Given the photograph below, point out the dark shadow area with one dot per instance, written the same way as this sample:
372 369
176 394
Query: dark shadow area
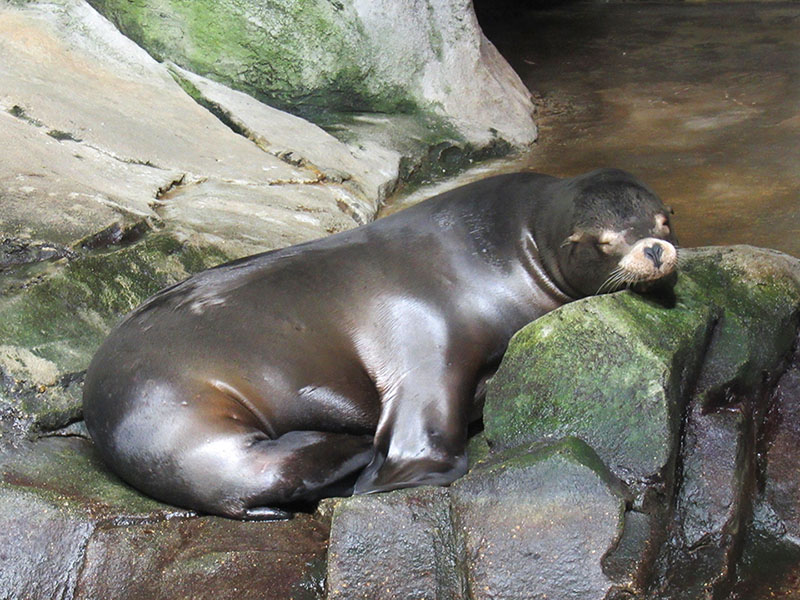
495 16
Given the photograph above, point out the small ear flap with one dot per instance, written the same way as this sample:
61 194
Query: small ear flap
575 238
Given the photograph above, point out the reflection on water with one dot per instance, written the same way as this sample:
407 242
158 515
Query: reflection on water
702 102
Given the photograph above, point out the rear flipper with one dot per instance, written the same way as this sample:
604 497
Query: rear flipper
245 475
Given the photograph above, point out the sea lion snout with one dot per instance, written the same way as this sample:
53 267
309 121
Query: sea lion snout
649 259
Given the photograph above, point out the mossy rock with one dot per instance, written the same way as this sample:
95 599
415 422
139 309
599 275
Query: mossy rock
757 296
51 324
616 370
450 101
302 57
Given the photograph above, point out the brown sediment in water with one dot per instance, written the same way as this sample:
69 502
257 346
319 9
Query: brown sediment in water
702 102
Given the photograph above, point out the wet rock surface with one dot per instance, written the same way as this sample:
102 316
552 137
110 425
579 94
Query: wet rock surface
71 529
688 394
526 524
632 449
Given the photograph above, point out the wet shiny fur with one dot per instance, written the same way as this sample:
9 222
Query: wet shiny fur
357 362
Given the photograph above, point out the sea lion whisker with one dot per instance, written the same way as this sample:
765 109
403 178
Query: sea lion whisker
621 280
610 280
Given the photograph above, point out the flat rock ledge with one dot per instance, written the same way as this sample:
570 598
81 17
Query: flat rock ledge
658 464
123 174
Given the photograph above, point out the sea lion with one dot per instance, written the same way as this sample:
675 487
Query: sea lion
356 362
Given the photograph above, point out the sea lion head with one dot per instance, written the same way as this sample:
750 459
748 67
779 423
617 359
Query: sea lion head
612 232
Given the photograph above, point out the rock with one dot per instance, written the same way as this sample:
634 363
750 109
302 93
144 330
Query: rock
781 483
531 523
537 524
757 292
70 529
98 159
212 213
631 363
109 156
297 141
116 183
770 565
716 481
317 58
634 362
694 378
397 545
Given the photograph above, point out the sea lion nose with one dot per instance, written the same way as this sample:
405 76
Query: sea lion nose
654 253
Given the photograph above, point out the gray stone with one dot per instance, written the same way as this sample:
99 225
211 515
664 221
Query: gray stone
770 563
297 141
314 58
396 545
71 529
781 475
41 547
198 558
713 501
538 523
241 219
531 523
647 382
629 563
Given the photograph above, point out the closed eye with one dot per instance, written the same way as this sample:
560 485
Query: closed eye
603 246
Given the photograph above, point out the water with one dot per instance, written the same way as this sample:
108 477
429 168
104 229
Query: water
702 102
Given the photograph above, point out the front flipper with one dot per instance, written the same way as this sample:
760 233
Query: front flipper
421 440
383 475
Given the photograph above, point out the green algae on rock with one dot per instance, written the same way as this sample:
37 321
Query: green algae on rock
297 56
616 370
52 325
621 392
318 58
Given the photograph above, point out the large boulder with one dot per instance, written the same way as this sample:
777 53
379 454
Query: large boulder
121 176
322 59
676 400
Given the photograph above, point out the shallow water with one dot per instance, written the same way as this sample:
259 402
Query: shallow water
702 102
